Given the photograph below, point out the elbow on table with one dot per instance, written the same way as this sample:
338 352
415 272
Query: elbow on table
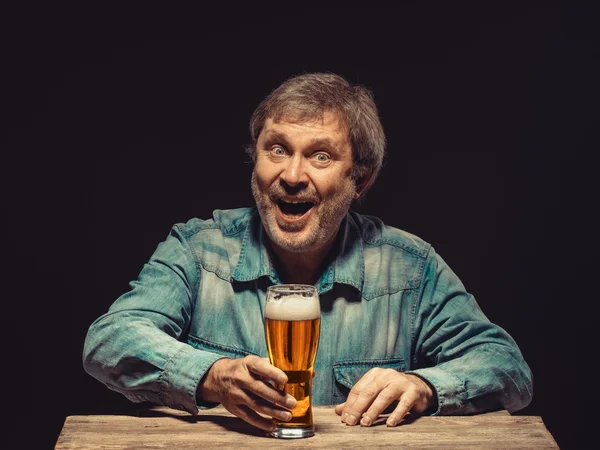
520 397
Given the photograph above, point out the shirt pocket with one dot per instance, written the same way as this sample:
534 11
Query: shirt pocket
218 348
347 373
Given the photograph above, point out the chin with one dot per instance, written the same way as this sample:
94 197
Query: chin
296 245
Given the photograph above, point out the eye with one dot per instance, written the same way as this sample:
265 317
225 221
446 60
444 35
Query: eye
322 157
278 151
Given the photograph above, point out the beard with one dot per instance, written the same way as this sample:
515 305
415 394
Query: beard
322 225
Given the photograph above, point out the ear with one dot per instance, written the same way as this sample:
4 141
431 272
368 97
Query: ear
362 184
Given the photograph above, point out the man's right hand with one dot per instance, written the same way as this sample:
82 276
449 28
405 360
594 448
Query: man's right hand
242 387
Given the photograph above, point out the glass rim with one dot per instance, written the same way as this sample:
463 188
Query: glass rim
292 287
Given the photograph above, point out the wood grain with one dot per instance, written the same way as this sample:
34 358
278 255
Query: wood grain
163 428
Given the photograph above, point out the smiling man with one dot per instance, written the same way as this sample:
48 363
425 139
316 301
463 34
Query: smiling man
398 329
303 187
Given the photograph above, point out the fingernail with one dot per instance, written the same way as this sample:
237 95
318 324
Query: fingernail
345 417
290 402
351 420
365 421
286 416
391 422
282 379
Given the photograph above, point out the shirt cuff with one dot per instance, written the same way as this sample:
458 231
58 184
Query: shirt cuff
450 390
182 374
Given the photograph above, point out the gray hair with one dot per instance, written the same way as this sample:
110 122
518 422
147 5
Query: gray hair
306 97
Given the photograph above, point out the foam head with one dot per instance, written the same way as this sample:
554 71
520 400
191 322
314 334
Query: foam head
293 307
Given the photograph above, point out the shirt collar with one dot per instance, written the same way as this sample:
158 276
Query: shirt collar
346 268
254 261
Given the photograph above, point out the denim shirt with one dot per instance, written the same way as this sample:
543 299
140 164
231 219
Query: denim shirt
387 300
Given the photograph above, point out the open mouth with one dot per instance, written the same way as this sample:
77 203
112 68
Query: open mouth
294 209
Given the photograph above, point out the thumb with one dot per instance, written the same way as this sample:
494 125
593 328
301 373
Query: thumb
339 408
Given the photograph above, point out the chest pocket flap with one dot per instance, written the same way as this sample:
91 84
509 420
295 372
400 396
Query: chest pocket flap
347 373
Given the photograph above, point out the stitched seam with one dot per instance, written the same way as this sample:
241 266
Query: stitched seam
206 267
217 272
366 362
238 228
421 269
242 254
221 346
413 331
196 226
196 262
394 243
382 292
162 379
462 389
229 233
417 300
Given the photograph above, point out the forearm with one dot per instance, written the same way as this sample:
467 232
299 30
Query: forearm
484 379
473 364
129 354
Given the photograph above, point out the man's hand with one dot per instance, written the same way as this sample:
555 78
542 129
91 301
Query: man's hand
378 389
242 387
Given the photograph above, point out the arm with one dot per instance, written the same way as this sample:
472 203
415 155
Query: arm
473 364
467 364
134 348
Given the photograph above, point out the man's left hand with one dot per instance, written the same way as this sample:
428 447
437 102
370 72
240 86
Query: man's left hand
378 389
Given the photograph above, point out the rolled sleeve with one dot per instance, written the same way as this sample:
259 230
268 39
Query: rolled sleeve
474 364
450 390
135 349
182 375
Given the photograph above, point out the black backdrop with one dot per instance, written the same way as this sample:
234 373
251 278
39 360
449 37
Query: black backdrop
122 123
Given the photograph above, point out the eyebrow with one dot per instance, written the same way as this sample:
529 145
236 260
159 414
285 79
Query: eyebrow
323 142
273 135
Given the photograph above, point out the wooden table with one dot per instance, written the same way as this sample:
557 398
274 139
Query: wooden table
164 428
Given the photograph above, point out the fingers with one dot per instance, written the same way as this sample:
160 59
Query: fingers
246 414
377 390
245 390
361 396
268 392
262 406
407 401
385 398
262 368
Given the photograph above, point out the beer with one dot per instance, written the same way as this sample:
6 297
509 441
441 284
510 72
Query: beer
292 331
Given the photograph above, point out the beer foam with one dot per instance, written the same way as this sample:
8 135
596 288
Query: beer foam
294 307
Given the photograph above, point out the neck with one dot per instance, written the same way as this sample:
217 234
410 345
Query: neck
302 267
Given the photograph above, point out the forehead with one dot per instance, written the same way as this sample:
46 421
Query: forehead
329 125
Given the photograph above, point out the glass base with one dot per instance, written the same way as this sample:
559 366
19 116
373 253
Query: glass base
292 433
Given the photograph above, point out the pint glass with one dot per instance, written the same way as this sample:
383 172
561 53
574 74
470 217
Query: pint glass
293 320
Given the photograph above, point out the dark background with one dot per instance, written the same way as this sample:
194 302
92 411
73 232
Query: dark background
119 124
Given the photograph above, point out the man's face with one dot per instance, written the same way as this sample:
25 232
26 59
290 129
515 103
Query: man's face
302 181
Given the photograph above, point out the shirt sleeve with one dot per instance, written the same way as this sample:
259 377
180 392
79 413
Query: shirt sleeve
473 364
134 348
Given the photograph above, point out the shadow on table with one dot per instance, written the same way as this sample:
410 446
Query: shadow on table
238 425
408 419
229 423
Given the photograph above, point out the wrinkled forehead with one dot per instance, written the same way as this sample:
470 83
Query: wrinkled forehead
328 117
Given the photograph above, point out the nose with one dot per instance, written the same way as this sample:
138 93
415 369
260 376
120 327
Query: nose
294 173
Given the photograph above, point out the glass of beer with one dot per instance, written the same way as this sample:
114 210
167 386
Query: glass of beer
293 321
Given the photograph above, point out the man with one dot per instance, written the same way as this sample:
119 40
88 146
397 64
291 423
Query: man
397 326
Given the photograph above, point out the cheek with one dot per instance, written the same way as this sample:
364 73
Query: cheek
332 186
265 174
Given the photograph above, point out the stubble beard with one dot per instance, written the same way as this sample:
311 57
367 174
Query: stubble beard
328 214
